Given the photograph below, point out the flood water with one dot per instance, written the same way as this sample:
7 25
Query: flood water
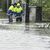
24 37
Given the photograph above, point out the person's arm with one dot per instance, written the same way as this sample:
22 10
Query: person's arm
21 9
10 8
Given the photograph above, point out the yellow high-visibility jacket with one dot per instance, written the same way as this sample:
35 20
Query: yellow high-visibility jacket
11 8
18 10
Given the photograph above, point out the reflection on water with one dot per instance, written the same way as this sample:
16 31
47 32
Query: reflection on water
27 28
43 37
24 38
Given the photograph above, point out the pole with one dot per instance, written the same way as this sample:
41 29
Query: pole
7 4
27 12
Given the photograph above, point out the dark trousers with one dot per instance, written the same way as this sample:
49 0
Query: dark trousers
9 14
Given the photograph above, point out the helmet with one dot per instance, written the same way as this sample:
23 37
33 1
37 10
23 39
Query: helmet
18 4
15 4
